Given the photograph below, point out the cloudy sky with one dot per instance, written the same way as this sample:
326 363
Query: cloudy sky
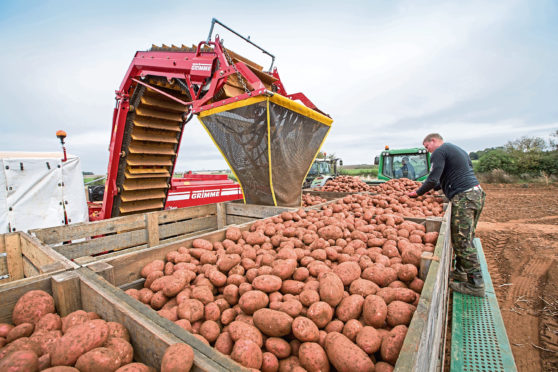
388 72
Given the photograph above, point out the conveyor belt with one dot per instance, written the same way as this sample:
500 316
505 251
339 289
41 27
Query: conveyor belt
479 341
150 147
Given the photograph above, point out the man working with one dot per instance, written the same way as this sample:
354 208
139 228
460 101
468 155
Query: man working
452 171
407 170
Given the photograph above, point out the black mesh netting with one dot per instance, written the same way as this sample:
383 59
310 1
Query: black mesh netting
241 134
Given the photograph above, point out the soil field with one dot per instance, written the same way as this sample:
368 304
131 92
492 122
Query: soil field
519 233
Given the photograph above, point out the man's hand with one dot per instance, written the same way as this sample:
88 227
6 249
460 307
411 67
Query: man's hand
412 194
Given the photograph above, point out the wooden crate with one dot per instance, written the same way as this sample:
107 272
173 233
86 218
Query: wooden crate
23 256
85 290
427 324
83 242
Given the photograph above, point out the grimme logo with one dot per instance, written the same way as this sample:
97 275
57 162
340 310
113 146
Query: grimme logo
204 194
201 67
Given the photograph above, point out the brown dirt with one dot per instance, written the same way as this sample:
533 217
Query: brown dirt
519 233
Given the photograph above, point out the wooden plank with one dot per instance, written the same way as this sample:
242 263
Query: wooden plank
221 215
32 251
256 211
59 234
152 230
149 335
58 261
185 227
3 265
104 270
238 220
103 244
2 244
66 292
29 269
178 214
141 206
13 256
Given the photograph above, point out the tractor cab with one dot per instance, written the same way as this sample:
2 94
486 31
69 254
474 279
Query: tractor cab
321 171
411 163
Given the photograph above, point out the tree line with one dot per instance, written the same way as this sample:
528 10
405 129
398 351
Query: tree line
526 156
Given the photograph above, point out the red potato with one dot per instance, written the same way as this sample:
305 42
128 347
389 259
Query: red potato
178 358
320 313
99 359
49 322
363 287
272 322
22 330
32 306
4 329
270 363
46 339
397 294
345 355
430 237
416 285
313 357
210 330
392 343
252 301
369 340
350 308
224 343
247 353
132 367
21 344
24 360
331 288
191 310
399 313
267 283
156 265
347 272
73 319
79 340
44 362
240 330
118 330
292 307
374 311
122 347
384 367
305 330
278 346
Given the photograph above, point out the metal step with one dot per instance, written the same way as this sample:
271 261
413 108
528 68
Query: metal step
149 160
151 135
152 123
478 336
159 114
130 196
137 147
140 206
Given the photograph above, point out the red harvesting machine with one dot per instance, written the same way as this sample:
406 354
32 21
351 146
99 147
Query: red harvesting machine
268 139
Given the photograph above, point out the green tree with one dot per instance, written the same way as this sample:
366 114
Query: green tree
496 159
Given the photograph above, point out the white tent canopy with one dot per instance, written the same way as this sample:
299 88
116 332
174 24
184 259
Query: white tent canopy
37 188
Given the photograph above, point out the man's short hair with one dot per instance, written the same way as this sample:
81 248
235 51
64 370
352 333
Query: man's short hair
431 136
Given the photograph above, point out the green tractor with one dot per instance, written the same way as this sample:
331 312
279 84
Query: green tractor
321 171
411 163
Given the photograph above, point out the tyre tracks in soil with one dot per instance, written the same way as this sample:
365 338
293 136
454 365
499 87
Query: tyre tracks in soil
523 263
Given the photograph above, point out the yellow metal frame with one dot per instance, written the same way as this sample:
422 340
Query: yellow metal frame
269 154
301 109
315 156
234 105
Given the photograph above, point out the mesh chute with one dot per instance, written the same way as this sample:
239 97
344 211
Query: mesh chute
269 144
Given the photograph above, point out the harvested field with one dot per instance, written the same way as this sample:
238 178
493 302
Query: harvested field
519 233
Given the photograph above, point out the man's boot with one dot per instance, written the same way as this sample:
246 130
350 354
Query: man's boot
474 285
458 275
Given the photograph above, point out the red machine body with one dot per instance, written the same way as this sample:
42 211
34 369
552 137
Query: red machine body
200 189
202 78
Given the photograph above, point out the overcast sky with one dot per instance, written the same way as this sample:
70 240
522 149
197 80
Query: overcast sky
388 72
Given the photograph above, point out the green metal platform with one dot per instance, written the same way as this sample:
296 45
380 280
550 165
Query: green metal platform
479 341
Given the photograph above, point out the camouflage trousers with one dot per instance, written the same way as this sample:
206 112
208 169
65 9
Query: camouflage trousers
466 208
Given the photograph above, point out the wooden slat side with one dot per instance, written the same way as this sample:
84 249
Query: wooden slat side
13 256
3 266
152 230
178 214
185 227
59 234
147 336
32 250
256 211
103 244
237 220
66 292
221 215
29 269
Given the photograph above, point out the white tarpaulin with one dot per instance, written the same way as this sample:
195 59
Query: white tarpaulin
36 189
